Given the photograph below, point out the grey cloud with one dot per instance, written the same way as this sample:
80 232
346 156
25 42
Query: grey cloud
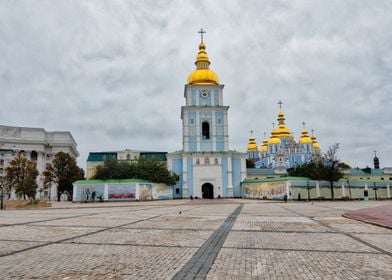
113 72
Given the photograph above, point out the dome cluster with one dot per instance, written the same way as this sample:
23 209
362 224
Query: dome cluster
281 146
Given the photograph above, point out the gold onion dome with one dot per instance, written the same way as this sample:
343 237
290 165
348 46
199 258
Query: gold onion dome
316 144
252 146
203 75
264 146
305 139
274 139
283 130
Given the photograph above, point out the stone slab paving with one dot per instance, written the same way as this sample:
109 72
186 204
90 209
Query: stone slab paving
204 239
381 215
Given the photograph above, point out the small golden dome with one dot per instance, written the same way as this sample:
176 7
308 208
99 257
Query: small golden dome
274 139
264 146
305 139
316 145
252 146
203 75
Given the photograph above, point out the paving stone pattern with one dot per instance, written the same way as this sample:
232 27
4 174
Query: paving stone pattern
204 239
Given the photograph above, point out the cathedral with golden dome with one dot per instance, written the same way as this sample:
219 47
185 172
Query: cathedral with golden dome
281 150
206 166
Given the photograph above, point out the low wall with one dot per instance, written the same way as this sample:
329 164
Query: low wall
121 190
297 189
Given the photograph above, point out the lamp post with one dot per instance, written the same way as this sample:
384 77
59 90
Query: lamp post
349 188
40 193
375 189
308 188
2 193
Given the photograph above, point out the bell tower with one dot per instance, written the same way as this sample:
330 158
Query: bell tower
205 165
204 117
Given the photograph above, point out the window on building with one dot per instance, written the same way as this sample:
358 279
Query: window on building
177 191
382 178
207 160
219 120
1 162
197 161
34 155
192 121
216 161
128 157
205 130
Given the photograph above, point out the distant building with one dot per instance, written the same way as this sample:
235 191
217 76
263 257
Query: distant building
98 158
39 146
281 150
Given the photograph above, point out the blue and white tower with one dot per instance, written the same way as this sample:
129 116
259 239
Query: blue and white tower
206 166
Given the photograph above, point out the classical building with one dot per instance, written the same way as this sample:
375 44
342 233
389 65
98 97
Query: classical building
98 158
37 145
281 151
206 166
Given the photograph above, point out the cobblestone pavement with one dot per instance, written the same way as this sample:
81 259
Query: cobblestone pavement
204 239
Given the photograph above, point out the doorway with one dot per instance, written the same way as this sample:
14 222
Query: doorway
207 190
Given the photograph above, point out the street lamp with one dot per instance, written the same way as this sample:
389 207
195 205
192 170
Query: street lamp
375 189
349 187
2 193
308 188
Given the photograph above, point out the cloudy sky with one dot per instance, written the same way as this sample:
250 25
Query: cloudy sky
113 72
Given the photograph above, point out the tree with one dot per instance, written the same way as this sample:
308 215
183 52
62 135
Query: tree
327 168
63 171
250 164
147 169
21 176
332 167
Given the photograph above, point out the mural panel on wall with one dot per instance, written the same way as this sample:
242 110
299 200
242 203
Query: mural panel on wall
162 192
145 191
122 191
267 190
90 192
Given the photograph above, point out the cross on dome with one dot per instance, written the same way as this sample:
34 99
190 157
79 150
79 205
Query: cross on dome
201 32
280 104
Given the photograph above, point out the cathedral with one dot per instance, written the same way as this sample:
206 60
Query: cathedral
280 150
205 165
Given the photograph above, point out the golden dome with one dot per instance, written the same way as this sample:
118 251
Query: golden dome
252 146
305 139
264 146
283 130
316 145
203 75
274 139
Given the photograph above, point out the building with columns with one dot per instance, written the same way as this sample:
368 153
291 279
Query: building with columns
39 146
206 166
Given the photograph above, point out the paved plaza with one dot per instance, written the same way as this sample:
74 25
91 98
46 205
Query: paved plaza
199 239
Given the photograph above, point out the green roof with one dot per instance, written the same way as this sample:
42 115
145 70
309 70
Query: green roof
260 171
88 182
278 179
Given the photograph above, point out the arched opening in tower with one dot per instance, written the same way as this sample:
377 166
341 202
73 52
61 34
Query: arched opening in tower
205 130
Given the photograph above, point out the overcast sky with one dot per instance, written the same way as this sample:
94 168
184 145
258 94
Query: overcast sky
113 72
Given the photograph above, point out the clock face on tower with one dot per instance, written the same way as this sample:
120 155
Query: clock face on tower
204 94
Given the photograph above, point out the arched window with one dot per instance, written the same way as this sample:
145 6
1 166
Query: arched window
205 130
207 160
128 157
216 161
197 161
